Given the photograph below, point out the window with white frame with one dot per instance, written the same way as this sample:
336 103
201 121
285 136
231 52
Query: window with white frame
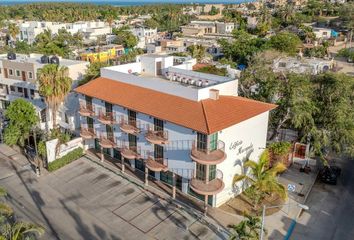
30 75
18 73
11 72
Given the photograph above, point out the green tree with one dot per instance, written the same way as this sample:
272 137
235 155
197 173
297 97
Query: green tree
198 52
93 72
151 23
54 85
22 118
13 30
247 229
125 37
10 230
243 46
262 178
334 120
214 11
285 42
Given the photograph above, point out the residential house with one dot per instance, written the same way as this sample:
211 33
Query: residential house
18 79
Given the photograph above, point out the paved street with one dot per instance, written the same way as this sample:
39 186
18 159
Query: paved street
331 209
84 201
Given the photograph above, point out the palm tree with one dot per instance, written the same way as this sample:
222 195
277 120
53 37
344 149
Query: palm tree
263 179
20 230
54 85
14 30
247 229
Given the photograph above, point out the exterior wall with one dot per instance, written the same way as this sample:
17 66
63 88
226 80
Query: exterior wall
243 141
176 152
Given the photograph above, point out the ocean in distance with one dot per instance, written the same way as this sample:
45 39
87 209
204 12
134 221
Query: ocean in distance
126 3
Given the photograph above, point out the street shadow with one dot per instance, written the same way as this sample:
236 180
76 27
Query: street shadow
37 200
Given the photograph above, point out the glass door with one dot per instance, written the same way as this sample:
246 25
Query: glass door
89 123
213 142
132 141
109 107
201 142
158 124
109 132
132 118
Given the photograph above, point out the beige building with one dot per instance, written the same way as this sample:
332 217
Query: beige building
18 79
201 28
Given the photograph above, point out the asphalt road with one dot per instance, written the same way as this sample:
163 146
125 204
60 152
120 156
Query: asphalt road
331 214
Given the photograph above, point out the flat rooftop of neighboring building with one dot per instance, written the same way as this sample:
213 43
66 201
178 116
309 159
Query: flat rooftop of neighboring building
36 59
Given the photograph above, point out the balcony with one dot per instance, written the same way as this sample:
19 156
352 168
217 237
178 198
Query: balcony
208 157
130 152
131 126
86 110
208 188
157 137
87 133
106 118
156 164
107 142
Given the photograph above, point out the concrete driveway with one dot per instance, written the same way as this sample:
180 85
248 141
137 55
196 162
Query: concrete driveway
85 201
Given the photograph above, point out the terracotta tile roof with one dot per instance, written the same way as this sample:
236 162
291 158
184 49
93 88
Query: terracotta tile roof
206 116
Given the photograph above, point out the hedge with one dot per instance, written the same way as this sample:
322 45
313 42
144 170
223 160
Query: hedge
66 159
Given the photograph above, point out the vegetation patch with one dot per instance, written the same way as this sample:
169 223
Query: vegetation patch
213 70
68 158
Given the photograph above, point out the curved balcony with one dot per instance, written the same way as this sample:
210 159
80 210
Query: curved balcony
157 137
87 133
86 110
131 126
106 118
211 188
209 157
107 142
130 152
156 165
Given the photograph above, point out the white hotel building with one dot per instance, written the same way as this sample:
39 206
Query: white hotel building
185 128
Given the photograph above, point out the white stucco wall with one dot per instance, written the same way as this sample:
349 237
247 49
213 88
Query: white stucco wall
243 141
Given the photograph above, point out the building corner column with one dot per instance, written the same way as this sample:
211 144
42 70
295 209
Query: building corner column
146 176
173 185
123 166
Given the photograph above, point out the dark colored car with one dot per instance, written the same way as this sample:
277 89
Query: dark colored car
330 174
30 153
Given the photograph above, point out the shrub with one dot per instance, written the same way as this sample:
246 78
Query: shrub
68 158
280 148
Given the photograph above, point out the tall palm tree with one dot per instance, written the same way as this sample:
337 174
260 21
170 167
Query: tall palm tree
14 30
263 179
54 86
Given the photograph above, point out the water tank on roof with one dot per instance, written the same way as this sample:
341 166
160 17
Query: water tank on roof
11 56
44 59
54 60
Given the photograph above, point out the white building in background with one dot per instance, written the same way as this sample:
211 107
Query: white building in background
312 66
187 129
145 35
29 30
91 30
18 79
201 28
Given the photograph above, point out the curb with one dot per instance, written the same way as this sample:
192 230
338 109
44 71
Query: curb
294 221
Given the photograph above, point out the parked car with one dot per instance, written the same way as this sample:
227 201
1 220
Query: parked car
330 174
30 153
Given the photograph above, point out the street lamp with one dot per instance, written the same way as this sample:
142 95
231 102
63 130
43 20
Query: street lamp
302 206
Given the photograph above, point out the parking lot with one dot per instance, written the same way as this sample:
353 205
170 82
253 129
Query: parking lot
85 201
